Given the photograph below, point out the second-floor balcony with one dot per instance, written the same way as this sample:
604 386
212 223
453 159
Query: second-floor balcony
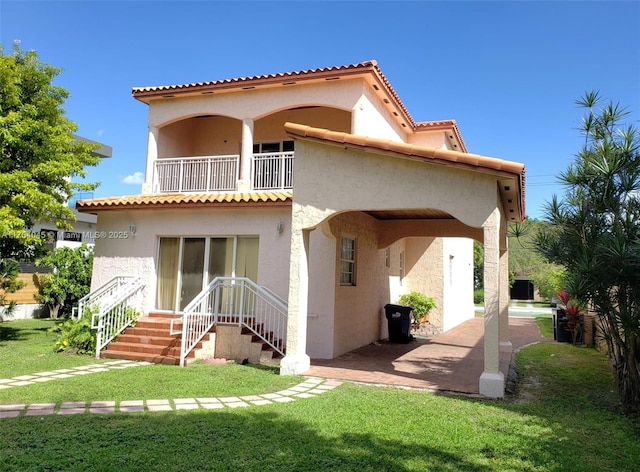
269 171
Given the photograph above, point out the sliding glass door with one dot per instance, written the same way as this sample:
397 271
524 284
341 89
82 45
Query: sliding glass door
187 265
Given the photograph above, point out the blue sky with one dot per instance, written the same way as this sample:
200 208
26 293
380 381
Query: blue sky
507 72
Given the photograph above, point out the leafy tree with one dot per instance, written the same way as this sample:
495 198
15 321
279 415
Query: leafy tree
69 281
38 152
549 279
595 235
478 265
526 261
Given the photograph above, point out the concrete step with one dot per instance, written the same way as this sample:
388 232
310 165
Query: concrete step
173 351
150 332
140 356
140 339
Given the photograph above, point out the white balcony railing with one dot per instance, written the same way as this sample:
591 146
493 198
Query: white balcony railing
272 171
196 174
269 171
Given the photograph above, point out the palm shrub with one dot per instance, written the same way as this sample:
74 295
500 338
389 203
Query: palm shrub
75 336
595 235
420 303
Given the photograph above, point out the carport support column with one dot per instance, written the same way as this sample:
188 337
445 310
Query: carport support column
492 380
505 344
296 361
246 154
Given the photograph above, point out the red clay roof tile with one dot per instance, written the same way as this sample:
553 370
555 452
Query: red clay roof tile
182 200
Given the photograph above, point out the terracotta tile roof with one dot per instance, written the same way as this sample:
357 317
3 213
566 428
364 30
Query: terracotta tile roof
504 170
185 200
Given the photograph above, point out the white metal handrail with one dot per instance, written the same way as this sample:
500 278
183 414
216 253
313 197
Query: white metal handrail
113 317
237 301
272 171
102 295
196 174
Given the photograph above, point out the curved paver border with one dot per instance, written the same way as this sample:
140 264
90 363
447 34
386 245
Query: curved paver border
309 388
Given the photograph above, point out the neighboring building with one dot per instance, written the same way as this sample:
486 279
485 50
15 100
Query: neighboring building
319 185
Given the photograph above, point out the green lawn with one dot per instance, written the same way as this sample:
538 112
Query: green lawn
564 417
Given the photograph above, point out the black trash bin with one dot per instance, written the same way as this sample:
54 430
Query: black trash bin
399 321
560 331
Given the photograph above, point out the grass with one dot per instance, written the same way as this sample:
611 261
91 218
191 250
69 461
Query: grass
26 349
545 325
534 304
564 417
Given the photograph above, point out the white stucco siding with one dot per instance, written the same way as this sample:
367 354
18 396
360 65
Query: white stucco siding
322 290
137 255
257 103
434 139
370 118
457 262
378 182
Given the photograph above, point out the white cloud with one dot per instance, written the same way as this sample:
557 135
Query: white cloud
100 132
134 179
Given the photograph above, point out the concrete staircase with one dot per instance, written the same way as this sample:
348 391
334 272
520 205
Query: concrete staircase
149 340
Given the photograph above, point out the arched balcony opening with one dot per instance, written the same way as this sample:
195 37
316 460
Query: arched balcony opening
215 153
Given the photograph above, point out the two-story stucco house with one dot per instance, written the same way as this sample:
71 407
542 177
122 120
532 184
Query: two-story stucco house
319 188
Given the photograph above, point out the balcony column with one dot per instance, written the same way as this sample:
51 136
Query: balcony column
152 156
492 380
246 155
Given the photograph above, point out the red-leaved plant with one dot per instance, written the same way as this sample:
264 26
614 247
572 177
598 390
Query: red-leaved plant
575 318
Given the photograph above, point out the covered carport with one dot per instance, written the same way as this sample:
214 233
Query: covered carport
467 195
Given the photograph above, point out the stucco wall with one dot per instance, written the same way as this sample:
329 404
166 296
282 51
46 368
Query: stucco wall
379 182
370 118
457 264
173 140
424 272
258 103
358 308
430 139
215 135
271 127
322 288
136 255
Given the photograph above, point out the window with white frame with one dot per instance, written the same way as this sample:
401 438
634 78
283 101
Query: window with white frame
347 261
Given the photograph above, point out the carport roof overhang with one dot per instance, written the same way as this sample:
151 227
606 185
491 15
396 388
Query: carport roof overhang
510 176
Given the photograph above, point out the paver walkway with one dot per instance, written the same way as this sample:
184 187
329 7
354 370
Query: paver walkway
450 362
309 388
